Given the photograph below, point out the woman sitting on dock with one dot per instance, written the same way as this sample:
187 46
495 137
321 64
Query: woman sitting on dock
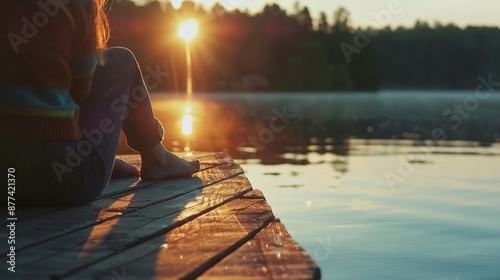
64 99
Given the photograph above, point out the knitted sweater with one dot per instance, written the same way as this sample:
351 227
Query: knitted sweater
46 68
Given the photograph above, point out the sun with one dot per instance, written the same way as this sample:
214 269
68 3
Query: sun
188 29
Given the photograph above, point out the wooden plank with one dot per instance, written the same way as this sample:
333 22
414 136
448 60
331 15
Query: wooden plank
73 219
26 213
207 160
214 237
146 221
284 256
121 185
248 262
212 225
254 194
87 246
272 254
118 185
69 220
192 247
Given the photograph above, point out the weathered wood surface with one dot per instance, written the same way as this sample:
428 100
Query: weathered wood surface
212 225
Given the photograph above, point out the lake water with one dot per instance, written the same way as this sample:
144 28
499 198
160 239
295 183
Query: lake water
365 182
376 214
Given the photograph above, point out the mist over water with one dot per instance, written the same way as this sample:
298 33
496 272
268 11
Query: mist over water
279 122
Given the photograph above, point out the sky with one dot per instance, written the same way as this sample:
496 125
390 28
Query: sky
369 12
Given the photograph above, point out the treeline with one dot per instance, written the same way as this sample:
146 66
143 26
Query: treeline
278 51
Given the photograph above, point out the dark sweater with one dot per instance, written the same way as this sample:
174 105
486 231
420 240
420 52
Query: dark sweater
46 68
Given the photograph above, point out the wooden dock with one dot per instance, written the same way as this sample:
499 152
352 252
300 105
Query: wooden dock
213 225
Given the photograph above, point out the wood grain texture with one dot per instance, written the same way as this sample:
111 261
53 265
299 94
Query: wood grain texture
118 185
67 220
194 246
272 254
89 245
189 250
212 225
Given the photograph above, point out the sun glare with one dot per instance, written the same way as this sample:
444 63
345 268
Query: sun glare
188 29
187 122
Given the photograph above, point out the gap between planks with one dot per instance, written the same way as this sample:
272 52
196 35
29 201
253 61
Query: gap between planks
141 230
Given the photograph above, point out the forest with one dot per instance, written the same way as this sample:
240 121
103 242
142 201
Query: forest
276 50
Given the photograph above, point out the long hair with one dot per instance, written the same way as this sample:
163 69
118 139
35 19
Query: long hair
96 21
101 26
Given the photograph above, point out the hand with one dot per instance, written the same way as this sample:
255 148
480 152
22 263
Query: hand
124 169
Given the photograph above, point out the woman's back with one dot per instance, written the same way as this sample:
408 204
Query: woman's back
48 61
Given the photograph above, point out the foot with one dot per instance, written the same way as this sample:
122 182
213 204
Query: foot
159 163
124 169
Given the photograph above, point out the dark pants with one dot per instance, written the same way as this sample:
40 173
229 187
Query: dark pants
63 173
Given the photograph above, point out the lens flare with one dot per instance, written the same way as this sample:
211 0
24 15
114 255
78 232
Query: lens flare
188 29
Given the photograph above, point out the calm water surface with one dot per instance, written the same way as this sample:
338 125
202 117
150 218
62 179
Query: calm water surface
364 207
364 216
